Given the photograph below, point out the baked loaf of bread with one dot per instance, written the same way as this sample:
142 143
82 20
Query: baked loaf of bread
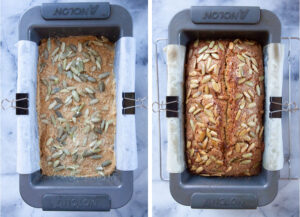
76 106
224 108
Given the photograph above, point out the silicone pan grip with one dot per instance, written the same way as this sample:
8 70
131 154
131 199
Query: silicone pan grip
223 201
222 14
70 202
75 11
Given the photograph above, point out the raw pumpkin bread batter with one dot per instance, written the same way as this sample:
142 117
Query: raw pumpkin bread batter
76 106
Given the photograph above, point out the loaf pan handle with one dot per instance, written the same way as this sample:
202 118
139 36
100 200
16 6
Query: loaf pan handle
225 14
75 11
71 202
223 201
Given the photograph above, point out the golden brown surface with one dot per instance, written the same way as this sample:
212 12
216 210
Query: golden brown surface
76 138
224 108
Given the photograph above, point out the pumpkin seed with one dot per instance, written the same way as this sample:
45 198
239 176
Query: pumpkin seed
53 120
109 122
74 157
76 78
103 75
94 101
57 154
49 44
56 163
59 168
97 130
55 51
49 141
101 86
57 107
89 90
106 163
98 156
77 114
69 65
244 162
93 68
75 95
63 138
95 120
91 79
202 49
87 153
55 90
99 168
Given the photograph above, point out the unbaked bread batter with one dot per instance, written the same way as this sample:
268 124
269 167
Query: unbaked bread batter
76 106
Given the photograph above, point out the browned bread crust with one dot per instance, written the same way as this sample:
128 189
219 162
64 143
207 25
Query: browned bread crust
224 108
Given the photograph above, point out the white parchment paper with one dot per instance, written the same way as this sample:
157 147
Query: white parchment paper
125 142
28 151
273 60
175 64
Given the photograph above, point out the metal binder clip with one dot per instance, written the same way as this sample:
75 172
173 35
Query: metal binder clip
157 107
139 100
20 103
277 107
130 103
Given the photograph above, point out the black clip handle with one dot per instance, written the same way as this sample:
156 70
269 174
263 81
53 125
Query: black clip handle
22 104
76 11
172 106
225 14
56 202
275 107
128 103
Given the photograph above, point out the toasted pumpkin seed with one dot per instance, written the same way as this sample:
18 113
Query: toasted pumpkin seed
202 49
242 80
252 146
244 162
258 90
215 55
221 46
238 115
251 105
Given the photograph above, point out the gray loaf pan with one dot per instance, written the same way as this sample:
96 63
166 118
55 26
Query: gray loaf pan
71 193
228 23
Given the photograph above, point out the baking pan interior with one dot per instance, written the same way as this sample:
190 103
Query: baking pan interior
111 32
188 36
35 185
